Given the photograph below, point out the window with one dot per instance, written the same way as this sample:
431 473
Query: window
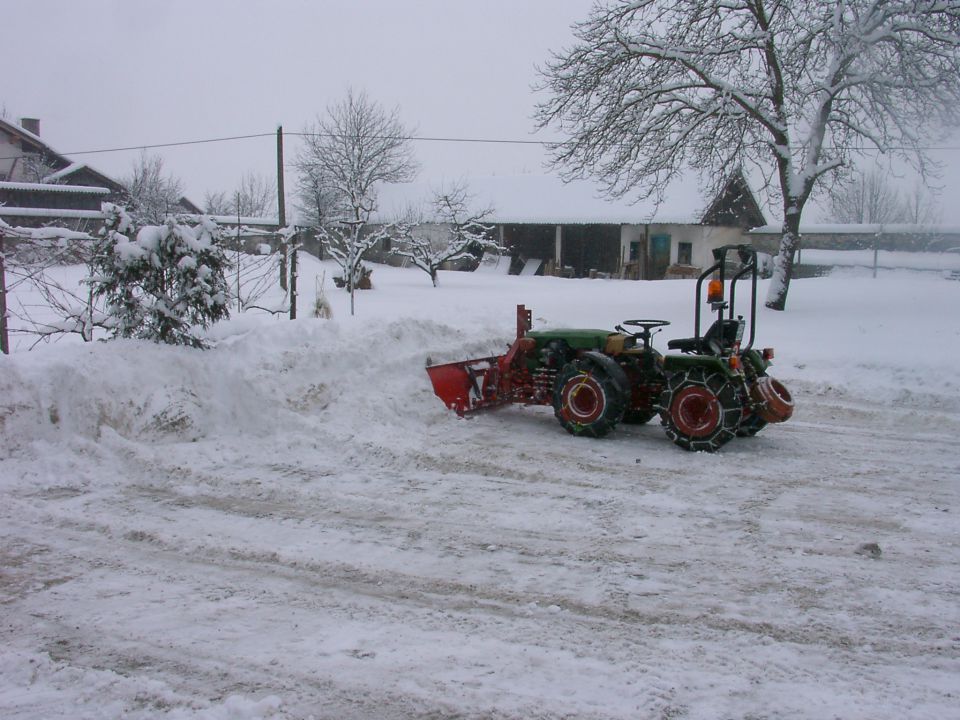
685 253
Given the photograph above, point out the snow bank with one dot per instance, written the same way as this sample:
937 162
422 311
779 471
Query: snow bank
884 339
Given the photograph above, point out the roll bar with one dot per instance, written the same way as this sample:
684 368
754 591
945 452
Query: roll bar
748 258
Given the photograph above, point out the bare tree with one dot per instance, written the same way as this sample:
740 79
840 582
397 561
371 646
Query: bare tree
153 194
316 200
871 198
920 206
218 203
258 195
351 149
254 196
794 89
463 233
867 198
38 168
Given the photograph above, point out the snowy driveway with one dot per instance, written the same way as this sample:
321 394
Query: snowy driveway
492 568
291 526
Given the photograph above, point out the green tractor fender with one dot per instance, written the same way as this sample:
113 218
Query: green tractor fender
683 363
606 364
755 359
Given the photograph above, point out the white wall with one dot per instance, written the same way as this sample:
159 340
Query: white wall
703 238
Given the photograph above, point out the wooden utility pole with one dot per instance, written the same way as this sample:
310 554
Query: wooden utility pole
239 303
287 282
281 209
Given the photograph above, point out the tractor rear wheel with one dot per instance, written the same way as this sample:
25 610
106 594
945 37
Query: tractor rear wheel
701 409
587 400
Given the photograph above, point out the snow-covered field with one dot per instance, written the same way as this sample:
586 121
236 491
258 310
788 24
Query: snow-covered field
290 525
942 262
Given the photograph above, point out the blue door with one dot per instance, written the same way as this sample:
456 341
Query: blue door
659 256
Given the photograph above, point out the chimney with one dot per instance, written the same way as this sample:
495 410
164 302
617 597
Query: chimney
31 125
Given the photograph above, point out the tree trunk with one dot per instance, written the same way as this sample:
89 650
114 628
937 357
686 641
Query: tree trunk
783 263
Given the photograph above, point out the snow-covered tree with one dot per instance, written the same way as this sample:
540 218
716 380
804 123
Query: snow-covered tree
153 194
348 243
164 283
795 89
347 152
463 233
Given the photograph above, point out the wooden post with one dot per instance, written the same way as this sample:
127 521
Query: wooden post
239 303
281 209
293 281
876 251
4 337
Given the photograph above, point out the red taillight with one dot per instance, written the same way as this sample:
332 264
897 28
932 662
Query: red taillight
715 291
768 354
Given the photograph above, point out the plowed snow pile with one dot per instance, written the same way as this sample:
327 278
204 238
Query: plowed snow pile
290 525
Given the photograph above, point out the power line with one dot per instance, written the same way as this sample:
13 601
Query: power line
418 138
154 145
413 138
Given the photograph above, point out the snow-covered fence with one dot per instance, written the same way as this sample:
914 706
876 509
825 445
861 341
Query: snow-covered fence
932 248
875 260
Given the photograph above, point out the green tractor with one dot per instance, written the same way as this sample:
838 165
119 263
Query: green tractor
714 388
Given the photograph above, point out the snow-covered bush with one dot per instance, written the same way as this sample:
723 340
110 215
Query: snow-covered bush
164 283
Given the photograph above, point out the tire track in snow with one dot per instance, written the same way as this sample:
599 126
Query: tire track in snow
629 571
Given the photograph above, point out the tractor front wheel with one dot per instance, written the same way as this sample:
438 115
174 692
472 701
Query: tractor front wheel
701 410
587 400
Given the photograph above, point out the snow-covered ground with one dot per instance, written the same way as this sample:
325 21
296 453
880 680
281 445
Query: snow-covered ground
290 525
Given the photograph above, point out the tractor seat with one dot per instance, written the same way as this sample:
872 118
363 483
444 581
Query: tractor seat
710 341
685 344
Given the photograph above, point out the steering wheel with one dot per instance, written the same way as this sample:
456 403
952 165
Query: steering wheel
647 326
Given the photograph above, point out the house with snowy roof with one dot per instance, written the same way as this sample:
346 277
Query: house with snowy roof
567 228
39 186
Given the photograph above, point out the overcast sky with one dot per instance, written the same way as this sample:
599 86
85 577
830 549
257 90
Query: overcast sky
104 74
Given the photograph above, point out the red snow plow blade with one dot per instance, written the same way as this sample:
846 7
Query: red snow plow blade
487 382
468 385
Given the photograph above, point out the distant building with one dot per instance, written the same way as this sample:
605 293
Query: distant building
39 186
556 228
